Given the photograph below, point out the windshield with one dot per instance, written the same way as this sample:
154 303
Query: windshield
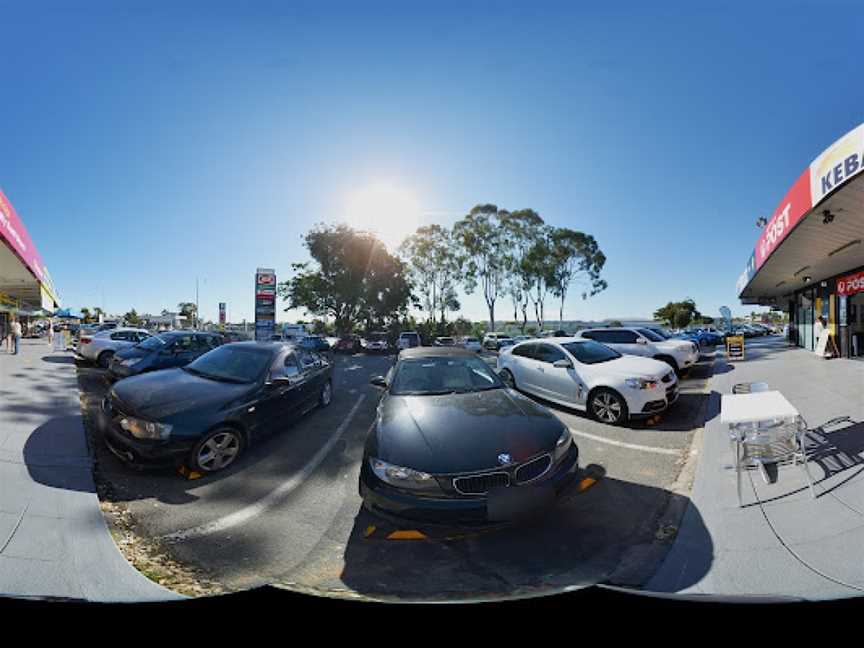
155 342
651 335
232 364
590 352
444 375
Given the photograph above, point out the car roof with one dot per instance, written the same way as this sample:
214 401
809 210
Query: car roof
424 352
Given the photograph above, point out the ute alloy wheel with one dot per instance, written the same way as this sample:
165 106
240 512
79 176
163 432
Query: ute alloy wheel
326 395
608 407
217 450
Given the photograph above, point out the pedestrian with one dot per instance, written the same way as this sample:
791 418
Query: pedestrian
16 335
50 334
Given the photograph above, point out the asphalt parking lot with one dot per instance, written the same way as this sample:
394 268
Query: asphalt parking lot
288 511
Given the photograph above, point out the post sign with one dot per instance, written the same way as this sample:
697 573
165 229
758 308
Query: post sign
850 284
265 303
789 212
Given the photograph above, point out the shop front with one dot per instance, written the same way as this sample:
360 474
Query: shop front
26 289
809 259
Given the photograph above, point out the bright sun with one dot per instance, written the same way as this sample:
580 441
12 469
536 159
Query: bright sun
390 212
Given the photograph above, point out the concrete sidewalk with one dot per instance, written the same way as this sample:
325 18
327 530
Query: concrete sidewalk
782 543
53 539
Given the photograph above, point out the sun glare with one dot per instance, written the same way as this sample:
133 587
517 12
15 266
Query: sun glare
388 211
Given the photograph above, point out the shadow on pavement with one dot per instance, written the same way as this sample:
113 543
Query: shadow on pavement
589 538
67 360
57 445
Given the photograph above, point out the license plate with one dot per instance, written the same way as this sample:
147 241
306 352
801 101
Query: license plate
506 504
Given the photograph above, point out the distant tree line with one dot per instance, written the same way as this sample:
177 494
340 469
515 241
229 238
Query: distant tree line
354 280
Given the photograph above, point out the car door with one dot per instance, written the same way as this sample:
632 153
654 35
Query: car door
313 372
631 343
281 400
556 383
522 364
182 351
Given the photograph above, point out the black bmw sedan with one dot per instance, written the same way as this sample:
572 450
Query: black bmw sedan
206 413
453 445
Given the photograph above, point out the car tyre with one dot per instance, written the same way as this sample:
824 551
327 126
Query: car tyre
508 379
671 362
104 359
216 450
326 395
608 406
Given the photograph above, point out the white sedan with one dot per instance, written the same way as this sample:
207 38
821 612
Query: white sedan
589 376
100 347
472 344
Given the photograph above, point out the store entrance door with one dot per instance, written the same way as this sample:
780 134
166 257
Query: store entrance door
855 325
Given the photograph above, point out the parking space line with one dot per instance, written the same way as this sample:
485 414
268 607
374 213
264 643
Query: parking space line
622 444
272 498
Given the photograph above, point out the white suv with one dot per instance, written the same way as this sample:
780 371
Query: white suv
589 376
679 354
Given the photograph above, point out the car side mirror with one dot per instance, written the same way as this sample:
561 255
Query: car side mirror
562 364
641 341
379 381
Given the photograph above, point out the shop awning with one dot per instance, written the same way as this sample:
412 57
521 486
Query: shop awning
817 229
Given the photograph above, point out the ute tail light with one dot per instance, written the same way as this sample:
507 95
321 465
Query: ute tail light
86 340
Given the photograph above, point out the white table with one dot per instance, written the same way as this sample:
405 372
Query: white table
755 408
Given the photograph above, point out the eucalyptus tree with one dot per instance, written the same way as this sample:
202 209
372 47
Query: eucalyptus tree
481 250
576 259
539 268
521 229
434 268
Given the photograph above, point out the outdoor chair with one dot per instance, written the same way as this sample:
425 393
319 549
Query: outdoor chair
770 442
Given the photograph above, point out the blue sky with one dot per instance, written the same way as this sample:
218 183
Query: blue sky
145 143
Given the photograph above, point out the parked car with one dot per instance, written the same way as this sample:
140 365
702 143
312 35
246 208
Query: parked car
206 413
376 343
317 344
472 344
678 354
497 341
521 338
163 351
348 344
586 375
408 340
101 347
452 444
444 341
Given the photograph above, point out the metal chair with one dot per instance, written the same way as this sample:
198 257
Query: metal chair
749 388
770 442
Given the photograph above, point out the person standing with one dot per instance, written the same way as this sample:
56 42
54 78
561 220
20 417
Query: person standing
50 334
16 335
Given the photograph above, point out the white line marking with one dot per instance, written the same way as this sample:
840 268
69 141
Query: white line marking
272 498
631 446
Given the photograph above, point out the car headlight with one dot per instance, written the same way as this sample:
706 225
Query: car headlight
145 429
563 443
640 383
402 477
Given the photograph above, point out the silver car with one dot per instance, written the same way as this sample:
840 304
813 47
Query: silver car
100 347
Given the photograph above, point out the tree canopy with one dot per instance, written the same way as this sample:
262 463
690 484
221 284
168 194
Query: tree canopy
351 278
